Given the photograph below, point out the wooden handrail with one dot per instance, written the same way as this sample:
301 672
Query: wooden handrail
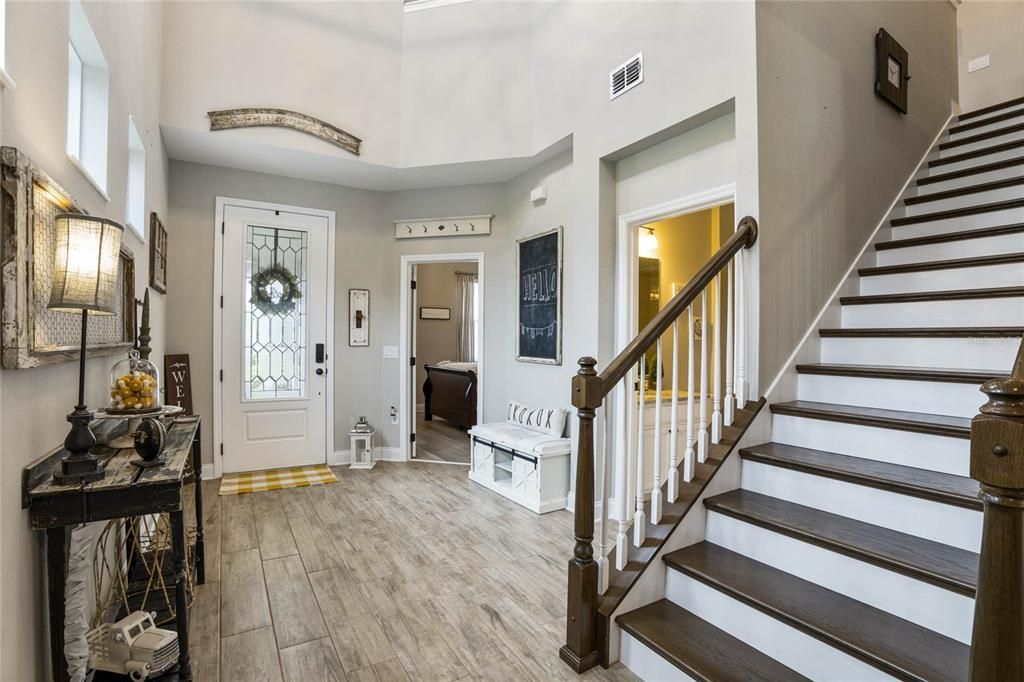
997 463
588 393
743 238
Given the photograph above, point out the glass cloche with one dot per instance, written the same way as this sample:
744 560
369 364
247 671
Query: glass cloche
134 386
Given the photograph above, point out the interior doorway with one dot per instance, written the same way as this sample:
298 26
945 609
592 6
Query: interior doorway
273 333
442 335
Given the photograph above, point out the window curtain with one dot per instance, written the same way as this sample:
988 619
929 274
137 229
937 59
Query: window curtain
465 288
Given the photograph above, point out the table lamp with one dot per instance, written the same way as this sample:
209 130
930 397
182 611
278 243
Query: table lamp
85 265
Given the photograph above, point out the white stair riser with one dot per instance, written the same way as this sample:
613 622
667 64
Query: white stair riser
791 647
977 312
922 450
988 197
996 354
1001 275
945 523
962 248
972 179
645 663
982 144
973 162
989 127
931 397
974 221
935 608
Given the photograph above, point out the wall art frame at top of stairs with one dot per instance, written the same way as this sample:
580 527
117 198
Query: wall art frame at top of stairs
30 334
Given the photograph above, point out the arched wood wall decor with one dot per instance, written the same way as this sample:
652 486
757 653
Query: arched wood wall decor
227 119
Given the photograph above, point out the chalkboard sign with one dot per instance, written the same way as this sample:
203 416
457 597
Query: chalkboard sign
539 298
178 378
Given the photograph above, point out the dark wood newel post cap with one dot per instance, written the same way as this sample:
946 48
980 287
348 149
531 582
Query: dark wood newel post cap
587 387
997 434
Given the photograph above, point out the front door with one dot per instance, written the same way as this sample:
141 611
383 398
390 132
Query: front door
273 352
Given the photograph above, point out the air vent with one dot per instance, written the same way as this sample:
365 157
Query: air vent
626 76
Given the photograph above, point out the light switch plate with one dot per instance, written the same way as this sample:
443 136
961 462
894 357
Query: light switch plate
977 64
391 351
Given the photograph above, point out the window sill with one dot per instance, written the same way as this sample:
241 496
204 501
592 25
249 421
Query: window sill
88 176
418 5
6 82
134 230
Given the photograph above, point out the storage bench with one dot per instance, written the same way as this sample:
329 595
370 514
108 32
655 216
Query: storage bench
525 465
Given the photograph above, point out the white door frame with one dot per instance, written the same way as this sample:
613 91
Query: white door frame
405 331
627 264
218 316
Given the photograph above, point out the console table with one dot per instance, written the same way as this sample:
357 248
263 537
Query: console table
125 491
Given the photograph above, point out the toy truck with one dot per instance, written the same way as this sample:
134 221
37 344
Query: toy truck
133 646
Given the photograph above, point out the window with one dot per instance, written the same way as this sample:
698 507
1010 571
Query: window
135 201
88 86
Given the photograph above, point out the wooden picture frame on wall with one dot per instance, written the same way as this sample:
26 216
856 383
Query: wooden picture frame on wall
358 318
157 254
892 75
31 335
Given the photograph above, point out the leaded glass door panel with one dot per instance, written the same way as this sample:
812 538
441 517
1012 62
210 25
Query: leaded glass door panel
274 316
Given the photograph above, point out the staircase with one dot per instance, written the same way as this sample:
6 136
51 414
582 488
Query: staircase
851 549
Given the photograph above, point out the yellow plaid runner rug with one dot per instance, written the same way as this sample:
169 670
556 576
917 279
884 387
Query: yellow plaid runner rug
276 479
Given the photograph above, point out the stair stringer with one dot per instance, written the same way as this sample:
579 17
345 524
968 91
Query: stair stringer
650 586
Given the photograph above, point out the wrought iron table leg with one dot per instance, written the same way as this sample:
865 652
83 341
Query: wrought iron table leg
181 593
56 578
197 468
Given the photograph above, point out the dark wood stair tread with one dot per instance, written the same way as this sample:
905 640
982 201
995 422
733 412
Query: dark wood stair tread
958 212
991 108
898 420
1005 146
949 264
979 137
953 376
922 296
923 332
887 642
973 170
698 648
973 125
944 237
948 567
959 491
964 191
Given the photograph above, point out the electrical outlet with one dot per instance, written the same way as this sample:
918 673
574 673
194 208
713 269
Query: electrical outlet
977 64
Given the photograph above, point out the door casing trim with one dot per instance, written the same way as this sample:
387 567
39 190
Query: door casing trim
404 350
218 317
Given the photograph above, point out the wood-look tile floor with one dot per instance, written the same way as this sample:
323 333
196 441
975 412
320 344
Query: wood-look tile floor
440 441
402 572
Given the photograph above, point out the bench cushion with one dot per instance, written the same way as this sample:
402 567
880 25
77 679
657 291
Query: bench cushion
521 439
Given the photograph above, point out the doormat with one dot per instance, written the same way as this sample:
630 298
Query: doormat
276 479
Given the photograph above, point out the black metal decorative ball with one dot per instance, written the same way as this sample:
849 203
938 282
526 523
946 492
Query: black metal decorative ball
149 439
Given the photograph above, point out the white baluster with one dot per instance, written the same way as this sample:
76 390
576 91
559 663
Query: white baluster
702 431
601 486
621 473
639 529
656 459
689 456
741 333
730 398
716 411
673 446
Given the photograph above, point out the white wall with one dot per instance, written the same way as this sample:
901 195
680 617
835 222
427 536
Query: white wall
35 401
995 29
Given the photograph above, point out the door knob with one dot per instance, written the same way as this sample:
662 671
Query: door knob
319 371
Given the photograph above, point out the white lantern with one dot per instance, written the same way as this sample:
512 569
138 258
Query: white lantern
362 445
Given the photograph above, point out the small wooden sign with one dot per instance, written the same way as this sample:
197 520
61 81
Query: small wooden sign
178 381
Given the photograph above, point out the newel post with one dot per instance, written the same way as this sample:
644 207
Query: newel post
997 463
580 650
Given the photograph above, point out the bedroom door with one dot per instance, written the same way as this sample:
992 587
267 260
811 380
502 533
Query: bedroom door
274 344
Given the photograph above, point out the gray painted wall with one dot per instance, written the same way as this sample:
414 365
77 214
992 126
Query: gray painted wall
995 29
832 155
35 401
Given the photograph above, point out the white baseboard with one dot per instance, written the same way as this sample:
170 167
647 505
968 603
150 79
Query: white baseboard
380 454
208 472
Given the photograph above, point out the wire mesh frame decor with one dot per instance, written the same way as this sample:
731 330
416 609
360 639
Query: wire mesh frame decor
30 334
